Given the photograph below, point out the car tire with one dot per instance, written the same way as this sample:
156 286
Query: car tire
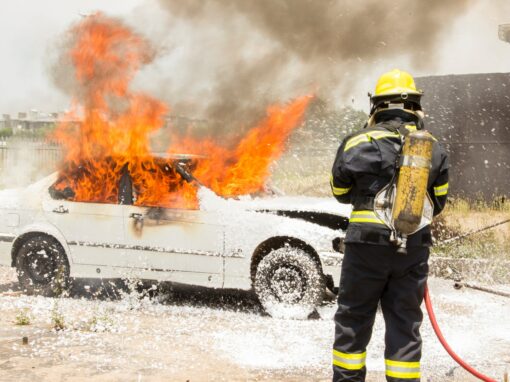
289 283
42 267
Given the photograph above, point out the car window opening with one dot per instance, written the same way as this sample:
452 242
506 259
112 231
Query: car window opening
155 182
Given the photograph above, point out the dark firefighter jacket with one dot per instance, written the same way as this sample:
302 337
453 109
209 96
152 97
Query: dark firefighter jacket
364 164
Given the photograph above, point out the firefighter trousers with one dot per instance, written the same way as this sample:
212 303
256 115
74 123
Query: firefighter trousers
373 274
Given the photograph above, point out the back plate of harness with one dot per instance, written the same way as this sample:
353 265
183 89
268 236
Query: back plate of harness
384 203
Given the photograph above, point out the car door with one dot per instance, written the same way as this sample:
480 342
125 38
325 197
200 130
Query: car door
93 231
179 245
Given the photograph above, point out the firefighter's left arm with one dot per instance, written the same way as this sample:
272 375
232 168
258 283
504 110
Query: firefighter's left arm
341 179
439 189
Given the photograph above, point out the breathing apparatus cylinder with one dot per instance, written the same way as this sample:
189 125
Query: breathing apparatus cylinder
411 189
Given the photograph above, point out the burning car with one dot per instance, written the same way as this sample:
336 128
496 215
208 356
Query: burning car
289 255
116 210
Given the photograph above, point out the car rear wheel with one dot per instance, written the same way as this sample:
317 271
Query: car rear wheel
289 283
42 267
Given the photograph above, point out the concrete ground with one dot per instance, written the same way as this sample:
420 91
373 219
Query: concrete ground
197 335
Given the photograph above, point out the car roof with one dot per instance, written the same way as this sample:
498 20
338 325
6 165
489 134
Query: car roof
176 156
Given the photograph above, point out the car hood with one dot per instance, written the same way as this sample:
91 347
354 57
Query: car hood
297 204
325 212
211 201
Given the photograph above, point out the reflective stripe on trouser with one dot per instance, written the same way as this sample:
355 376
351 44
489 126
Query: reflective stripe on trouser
365 216
349 361
403 370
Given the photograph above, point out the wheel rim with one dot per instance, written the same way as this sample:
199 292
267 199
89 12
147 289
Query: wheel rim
40 266
288 284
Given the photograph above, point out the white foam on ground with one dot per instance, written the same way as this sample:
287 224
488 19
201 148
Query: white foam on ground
140 333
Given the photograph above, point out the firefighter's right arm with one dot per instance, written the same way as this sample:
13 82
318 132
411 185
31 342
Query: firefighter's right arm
341 179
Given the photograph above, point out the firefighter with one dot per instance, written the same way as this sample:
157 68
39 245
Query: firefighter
374 271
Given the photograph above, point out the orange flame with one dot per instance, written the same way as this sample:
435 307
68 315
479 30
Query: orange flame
113 136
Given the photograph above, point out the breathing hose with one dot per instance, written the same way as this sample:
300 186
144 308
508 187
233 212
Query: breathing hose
447 347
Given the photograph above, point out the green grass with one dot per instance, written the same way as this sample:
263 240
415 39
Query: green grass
6 132
461 205
57 318
101 322
23 318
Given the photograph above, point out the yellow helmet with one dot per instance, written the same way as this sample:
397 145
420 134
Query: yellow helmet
396 89
396 82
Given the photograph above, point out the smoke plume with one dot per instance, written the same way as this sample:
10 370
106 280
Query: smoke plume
237 56
225 61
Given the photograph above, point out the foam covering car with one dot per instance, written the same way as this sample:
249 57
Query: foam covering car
287 249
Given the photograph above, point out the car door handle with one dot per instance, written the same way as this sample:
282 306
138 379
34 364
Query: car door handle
138 222
61 210
136 216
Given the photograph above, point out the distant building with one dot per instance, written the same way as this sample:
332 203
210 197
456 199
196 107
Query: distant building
32 120
504 32
5 122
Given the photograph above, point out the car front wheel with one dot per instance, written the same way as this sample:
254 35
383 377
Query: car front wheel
42 267
289 283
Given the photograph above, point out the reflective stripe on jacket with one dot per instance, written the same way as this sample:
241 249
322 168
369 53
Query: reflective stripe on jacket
364 164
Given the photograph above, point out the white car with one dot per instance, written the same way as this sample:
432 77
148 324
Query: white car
288 249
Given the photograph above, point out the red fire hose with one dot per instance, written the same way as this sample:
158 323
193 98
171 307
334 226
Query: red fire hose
447 347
